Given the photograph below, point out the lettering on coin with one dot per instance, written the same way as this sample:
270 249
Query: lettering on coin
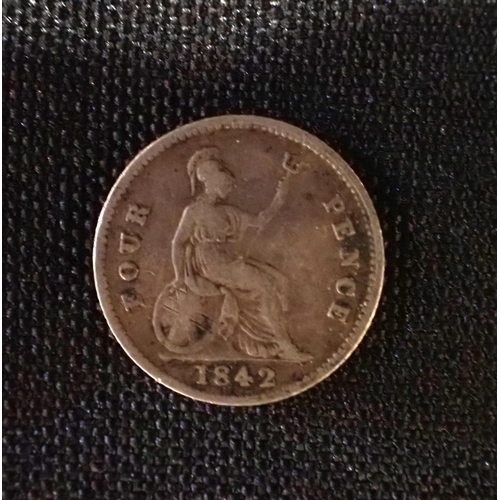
335 205
343 229
137 214
346 286
128 270
349 259
340 311
222 375
131 299
129 243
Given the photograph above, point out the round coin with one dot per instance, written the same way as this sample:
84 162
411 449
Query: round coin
238 260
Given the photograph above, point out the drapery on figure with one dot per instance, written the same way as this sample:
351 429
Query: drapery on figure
205 260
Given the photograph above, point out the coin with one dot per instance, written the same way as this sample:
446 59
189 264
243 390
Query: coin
238 260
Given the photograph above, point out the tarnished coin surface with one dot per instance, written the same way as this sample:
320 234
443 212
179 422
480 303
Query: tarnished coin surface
238 260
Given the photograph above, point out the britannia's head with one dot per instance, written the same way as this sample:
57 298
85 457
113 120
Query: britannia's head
207 168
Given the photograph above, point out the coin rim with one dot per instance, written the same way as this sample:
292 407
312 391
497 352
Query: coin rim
285 130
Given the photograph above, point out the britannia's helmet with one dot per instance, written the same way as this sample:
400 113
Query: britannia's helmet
202 163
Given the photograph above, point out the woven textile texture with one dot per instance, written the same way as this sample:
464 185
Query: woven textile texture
405 92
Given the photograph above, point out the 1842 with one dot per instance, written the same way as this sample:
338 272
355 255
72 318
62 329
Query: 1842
222 375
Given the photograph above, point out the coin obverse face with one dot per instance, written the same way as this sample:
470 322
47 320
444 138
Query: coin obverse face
238 260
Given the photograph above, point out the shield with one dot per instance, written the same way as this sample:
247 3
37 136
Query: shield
182 321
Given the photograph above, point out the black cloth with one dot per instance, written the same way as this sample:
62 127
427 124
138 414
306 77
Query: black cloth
405 92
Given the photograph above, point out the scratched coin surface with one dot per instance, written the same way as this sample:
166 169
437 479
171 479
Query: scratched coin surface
238 260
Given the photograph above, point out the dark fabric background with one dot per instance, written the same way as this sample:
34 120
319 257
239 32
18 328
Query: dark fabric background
405 91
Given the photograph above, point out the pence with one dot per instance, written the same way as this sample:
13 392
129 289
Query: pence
238 260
